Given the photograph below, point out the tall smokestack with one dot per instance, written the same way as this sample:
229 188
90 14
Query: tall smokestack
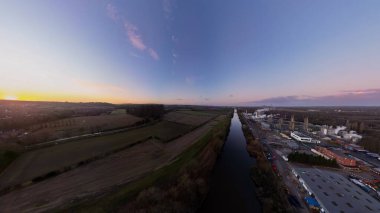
291 124
306 124
280 122
348 125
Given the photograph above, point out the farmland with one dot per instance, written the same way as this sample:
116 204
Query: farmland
40 162
6 157
78 125
119 111
192 118
153 147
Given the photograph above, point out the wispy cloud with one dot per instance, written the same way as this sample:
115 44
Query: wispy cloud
136 40
98 86
134 36
167 6
174 56
361 92
282 100
153 54
131 31
189 80
135 55
368 97
112 12
174 39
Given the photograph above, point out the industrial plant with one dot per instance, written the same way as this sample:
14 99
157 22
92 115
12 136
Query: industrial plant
324 165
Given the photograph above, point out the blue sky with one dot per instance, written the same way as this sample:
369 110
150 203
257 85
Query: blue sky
213 52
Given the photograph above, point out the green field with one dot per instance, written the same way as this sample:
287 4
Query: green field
6 157
192 118
78 126
40 162
58 175
202 113
171 171
119 111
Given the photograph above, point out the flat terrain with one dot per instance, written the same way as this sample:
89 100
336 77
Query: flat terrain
335 192
40 162
192 118
79 125
364 120
118 111
101 175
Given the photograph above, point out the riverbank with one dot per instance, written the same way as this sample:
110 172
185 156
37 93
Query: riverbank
180 186
269 188
231 188
186 184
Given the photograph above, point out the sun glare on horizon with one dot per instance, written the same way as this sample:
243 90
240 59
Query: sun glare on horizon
10 97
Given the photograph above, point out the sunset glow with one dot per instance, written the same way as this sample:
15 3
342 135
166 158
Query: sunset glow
10 98
262 51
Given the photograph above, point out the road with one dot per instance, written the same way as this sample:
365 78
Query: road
294 189
283 168
362 156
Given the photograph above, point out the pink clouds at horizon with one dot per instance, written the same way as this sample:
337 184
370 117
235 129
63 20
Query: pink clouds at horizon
364 97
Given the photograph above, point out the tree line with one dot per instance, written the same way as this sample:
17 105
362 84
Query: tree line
312 160
154 111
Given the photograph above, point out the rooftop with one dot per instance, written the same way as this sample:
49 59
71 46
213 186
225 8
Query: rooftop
336 193
340 153
301 134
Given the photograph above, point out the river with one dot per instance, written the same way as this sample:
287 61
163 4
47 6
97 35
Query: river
232 189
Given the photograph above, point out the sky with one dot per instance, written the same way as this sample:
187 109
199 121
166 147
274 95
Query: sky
241 52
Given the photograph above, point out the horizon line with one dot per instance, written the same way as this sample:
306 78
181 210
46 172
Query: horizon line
210 105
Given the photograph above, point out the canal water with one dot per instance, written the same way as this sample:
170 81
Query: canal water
232 189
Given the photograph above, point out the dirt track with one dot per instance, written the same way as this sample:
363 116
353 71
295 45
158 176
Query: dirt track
116 169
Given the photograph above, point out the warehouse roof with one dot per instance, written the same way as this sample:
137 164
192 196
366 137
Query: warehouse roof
336 193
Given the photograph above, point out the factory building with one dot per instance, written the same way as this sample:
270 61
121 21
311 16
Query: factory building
292 123
334 192
339 157
306 124
354 147
265 125
300 137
